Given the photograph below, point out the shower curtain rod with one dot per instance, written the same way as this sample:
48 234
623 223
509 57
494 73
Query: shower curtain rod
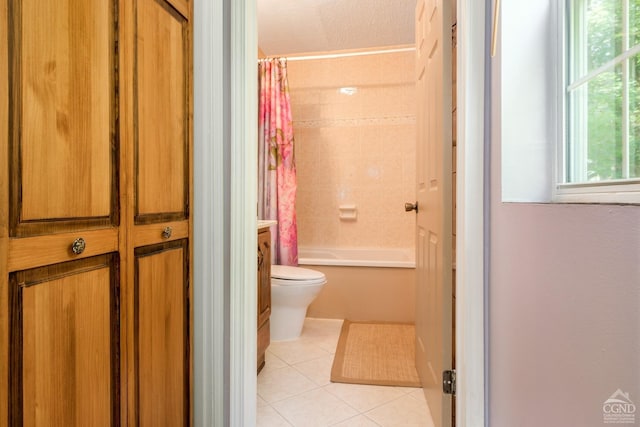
342 55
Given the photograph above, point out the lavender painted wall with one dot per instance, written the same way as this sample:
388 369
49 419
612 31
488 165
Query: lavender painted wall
564 310
564 288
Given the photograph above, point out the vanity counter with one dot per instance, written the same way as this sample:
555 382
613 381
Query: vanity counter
265 223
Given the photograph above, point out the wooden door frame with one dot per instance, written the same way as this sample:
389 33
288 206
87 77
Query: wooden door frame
225 224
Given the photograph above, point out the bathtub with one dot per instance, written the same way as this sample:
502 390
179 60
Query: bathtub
357 257
363 284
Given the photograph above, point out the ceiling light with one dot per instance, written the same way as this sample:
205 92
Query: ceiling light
348 90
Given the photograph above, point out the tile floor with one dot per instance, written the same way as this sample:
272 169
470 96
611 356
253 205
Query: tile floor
294 388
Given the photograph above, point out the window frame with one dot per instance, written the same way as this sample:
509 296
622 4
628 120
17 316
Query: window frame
622 191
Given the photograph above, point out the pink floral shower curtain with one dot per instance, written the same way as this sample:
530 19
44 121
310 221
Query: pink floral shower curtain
276 167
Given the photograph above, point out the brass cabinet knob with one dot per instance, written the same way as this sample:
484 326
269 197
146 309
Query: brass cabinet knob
166 233
78 246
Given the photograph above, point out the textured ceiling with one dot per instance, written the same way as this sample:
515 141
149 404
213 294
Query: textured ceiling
287 27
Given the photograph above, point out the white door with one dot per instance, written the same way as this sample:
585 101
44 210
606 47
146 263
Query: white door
434 200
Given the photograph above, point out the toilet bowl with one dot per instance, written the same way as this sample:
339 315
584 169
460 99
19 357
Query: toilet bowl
292 290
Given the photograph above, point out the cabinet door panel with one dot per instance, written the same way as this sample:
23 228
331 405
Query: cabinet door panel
62 97
264 278
162 180
64 344
162 334
264 294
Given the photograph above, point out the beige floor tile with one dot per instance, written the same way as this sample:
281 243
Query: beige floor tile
404 411
314 408
321 327
260 402
296 351
413 390
357 421
317 370
282 383
327 343
418 394
269 417
364 397
271 362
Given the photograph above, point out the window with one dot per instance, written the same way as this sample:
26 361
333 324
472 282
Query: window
601 151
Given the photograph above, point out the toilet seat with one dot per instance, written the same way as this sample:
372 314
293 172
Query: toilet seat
286 275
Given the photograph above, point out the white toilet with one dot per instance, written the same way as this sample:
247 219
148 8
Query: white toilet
292 290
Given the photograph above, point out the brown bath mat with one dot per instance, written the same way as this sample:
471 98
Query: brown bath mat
376 353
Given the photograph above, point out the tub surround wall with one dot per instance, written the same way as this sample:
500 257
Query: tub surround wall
365 293
356 149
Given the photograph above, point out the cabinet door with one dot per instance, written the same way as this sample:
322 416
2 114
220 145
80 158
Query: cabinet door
160 218
264 295
59 182
264 277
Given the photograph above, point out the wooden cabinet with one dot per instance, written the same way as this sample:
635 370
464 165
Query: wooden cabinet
95 224
264 293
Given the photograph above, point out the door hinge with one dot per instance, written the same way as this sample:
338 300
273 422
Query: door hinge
449 382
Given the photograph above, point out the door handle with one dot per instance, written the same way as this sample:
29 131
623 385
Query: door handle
411 207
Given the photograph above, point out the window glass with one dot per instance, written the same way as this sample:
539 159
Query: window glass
603 31
598 124
634 21
634 118
603 91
